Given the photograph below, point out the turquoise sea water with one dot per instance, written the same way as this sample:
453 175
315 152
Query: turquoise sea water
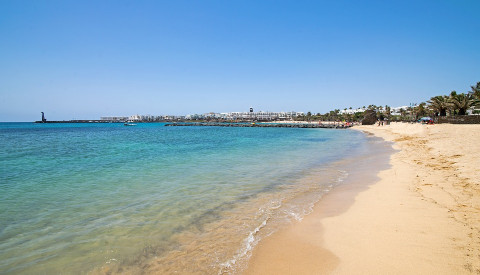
99 198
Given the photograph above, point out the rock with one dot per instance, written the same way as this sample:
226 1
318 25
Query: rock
369 117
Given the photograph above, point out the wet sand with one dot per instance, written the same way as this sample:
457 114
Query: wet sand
419 216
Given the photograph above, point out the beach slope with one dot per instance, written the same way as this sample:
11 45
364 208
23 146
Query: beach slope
420 216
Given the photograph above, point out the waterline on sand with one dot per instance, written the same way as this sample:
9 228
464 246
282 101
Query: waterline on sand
105 198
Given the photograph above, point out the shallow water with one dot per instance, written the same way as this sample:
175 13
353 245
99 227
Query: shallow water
78 198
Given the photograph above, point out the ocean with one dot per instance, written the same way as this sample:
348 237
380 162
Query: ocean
105 198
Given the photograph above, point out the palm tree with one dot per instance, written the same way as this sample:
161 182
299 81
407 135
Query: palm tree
462 102
420 110
476 93
439 104
476 90
410 111
453 109
403 113
388 110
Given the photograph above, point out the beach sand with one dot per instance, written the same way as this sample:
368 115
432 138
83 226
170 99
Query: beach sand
420 216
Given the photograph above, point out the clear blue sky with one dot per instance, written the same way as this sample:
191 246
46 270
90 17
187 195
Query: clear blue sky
86 59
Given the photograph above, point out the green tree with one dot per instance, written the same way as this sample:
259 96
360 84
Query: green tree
420 110
462 102
439 105
476 90
453 109
476 94
332 115
403 114
358 116
388 110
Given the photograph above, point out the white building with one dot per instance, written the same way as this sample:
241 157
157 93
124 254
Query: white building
114 118
396 111
264 116
352 111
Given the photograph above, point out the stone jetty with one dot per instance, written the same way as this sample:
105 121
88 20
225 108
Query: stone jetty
262 125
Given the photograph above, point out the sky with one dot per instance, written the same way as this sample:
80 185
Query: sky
87 59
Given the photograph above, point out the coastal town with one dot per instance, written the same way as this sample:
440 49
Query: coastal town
452 108
442 108
456 107
345 114
212 116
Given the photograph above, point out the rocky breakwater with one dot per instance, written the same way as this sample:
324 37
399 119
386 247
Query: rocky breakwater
262 125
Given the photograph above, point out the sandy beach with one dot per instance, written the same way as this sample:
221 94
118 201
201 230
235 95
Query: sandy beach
419 216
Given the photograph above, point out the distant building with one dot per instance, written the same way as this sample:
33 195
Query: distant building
396 111
352 111
151 118
261 115
115 118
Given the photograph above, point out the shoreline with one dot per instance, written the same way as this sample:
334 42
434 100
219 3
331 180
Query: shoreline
421 216
261 215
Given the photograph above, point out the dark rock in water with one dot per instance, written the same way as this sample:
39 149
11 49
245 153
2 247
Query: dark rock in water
369 117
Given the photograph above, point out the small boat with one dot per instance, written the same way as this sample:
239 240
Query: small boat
129 123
